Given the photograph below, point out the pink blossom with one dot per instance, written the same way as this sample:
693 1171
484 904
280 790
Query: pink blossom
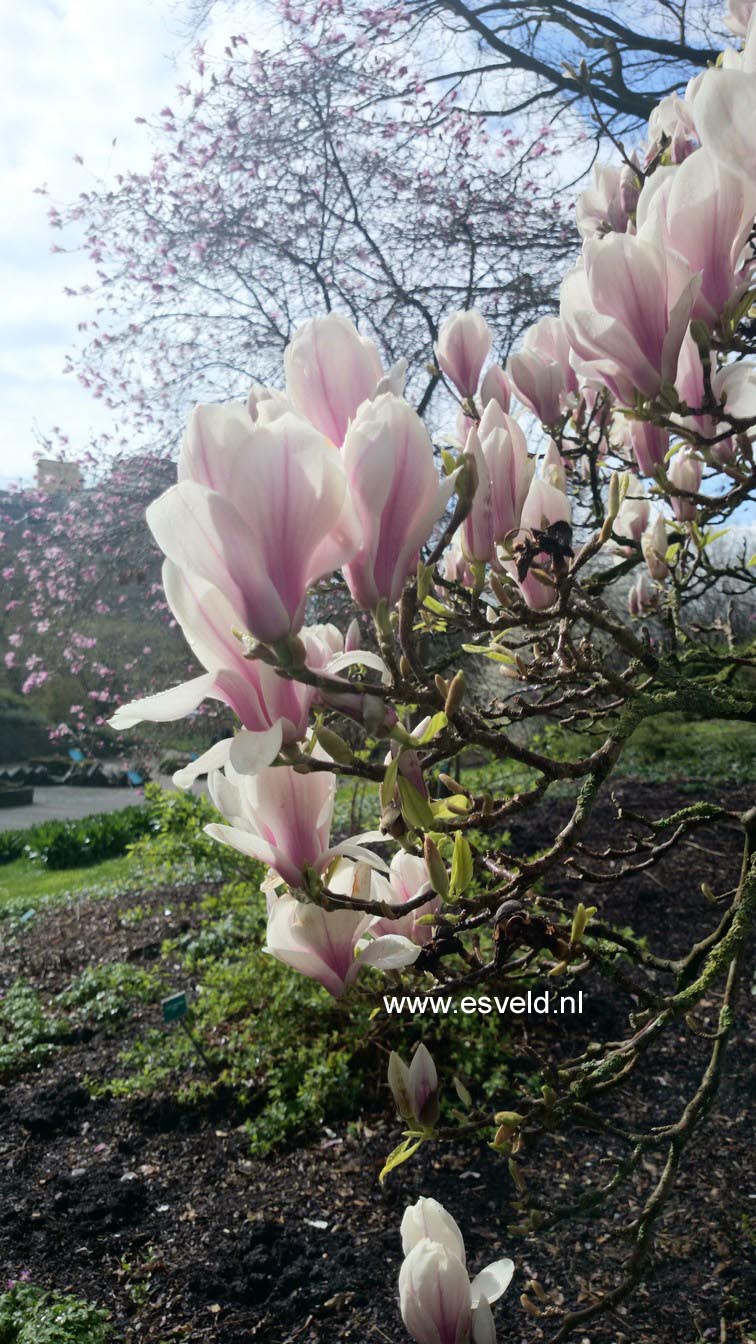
464 343
397 494
330 371
276 518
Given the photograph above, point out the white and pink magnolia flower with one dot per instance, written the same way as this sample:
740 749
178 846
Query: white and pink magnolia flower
281 817
505 470
545 504
704 213
330 371
634 512
273 709
496 387
724 106
541 372
463 346
641 598
654 548
609 203
332 946
672 122
647 442
407 877
415 1088
626 310
739 14
260 512
397 494
685 472
439 1304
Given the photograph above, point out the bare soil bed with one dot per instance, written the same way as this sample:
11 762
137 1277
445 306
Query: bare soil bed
157 1211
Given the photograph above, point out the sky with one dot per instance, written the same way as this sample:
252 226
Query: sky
75 74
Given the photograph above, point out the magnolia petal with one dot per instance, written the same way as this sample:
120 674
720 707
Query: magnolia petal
166 706
349 849
483 1328
389 952
492 1281
252 752
244 841
212 759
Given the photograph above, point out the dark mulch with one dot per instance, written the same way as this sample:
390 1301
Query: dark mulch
157 1211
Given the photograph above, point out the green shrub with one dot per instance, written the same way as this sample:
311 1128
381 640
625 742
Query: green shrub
177 838
293 1056
12 845
29 1315
76 844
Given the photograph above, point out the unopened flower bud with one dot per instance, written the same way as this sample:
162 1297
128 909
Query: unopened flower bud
415 1089
654 548
338 750
467 480
455 694
353 636
436 868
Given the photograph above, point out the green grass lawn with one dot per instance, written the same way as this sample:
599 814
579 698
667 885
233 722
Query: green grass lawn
25 885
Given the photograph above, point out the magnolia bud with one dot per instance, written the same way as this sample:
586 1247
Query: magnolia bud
436 868
467 481
415 1089
338 750
353 637
455 694
654 548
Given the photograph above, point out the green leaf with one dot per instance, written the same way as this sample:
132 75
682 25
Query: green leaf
416 809
437 607
403 1151
489 651
388 785
462 865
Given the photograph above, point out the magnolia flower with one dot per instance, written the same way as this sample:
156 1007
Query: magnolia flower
725 110
415 1089
626 310
332 946
736 386
496 387
654 548
439 1304
738 16
685 472
407 877
504 470
281 817
541 373
704 213
545 504
330 371
273 709
641 599
634 512
553 468
464 343
672 122
260 512
647 442
396 490
604 206
454 567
